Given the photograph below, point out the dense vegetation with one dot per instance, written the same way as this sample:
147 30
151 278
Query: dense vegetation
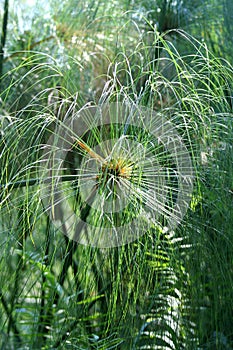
167 283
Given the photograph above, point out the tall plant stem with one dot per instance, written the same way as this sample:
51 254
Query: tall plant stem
12 321
24 232
3 35
42 329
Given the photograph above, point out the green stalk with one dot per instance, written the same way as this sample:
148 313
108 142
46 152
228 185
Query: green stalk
42 329
11 319
3 35
31 182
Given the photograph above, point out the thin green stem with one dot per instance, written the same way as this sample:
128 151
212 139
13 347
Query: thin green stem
12 321
3 35
31 182
42 329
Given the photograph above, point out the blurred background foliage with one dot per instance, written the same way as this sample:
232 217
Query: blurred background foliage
168 290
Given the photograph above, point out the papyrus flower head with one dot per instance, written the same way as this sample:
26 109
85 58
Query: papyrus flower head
129 169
